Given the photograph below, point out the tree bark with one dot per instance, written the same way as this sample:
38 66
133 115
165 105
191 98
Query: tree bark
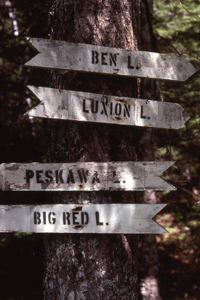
92 266
149 283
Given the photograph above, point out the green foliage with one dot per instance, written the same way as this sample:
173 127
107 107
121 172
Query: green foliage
21 139
177 28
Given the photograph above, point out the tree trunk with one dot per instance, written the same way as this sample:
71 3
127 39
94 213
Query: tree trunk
149 284
92 266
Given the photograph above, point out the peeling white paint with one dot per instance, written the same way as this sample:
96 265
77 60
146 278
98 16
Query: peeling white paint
92 218
89 107
84 176
99 59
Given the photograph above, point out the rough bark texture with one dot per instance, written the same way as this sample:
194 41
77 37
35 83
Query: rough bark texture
149 284
92 266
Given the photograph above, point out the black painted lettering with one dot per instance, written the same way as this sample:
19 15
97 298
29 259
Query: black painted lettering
59 176
103 58
113 59
104 111
70 177
84 218
44 217
97 218
118 109
83 175
95 109
52 220
111 108
84 107
95 178
129 63
38 176
114 175
74 217
37 218
66 218
29 175
47 174
141 115
95 59
127 109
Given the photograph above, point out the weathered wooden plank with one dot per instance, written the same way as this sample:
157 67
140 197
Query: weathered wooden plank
81 218
84 176
80 106
98 59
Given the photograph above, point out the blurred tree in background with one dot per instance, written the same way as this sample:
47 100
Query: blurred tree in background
176 31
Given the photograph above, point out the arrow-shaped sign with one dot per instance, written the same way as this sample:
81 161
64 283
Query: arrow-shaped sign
84 176
86 218
80 106
106 60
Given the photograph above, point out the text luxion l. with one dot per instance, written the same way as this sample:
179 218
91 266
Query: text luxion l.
106 108
89 107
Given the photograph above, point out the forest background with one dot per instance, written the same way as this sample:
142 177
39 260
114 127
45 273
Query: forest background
176 31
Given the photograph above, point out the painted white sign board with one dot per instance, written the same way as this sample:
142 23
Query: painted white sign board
84 176
74 218
80 106
106 60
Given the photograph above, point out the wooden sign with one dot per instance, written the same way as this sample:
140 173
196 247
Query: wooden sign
84 176
78 218
98 59
80 106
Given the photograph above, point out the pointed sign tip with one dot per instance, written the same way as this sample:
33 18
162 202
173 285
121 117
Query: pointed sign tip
189 69
186 117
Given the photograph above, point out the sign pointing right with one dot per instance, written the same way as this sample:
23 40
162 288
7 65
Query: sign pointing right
61 55
85 176
88 107
81 218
